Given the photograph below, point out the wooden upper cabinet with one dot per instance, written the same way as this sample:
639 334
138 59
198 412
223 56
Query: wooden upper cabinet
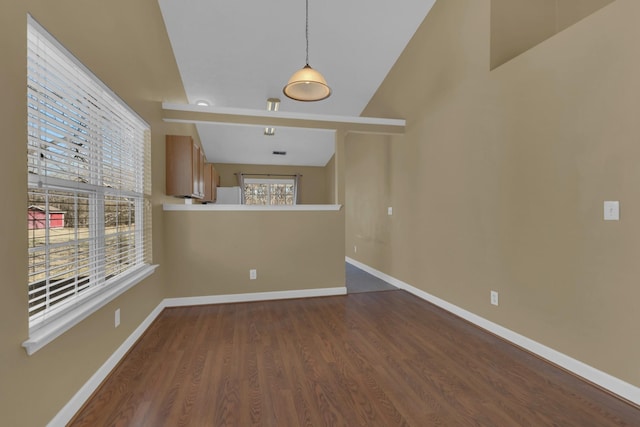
185 167
211 179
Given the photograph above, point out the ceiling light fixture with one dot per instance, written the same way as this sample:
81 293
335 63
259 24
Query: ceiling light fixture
202 103
307 84
273 104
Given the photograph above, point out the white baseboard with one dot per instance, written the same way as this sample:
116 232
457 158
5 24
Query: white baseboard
258 296
76 402
614 385
73 406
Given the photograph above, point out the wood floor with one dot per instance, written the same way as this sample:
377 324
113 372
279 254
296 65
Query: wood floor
367 359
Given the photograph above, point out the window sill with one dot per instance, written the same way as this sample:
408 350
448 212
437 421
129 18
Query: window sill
216 207
75 314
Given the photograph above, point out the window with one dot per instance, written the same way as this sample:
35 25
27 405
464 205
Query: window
89 185
269 191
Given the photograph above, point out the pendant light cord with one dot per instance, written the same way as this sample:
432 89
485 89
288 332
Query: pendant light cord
306 31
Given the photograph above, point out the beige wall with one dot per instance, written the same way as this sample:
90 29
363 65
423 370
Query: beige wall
500 179
211 252
331 180
367 197
125 44
518 25
313 183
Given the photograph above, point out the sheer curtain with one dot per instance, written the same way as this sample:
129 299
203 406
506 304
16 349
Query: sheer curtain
240 177
296 192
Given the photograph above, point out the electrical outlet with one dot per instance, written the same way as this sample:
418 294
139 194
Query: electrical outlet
253 274
355 249
117 318
389 210
494 298
612 211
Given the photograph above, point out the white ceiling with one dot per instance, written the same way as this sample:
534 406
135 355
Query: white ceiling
239 53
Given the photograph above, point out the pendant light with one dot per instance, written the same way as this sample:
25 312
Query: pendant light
307 84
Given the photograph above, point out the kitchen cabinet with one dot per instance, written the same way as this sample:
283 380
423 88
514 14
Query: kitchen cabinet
211 183
184 167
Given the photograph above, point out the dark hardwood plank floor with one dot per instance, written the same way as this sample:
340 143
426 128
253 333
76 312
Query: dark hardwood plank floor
367 359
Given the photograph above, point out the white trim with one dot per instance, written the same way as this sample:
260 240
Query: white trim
615 385
322 118
258 296
73 406
78 312
216 207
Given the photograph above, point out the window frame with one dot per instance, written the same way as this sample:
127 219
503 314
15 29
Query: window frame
269 182
133 191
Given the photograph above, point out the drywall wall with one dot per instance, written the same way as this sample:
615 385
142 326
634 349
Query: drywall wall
331 180
211 252
518 25
367 197
126 45
500 179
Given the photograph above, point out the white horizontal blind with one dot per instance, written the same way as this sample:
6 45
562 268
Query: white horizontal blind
89 216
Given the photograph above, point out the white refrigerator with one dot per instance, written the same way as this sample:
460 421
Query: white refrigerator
228 196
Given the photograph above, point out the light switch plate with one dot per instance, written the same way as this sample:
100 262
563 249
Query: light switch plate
611 211
389 210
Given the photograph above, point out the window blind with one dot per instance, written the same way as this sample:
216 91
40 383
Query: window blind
89 211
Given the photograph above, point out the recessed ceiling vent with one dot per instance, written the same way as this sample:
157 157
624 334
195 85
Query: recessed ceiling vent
279 153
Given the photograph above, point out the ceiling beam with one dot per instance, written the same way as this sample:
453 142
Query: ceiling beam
187 113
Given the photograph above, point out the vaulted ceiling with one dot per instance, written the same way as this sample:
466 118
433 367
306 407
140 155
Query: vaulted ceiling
239 53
